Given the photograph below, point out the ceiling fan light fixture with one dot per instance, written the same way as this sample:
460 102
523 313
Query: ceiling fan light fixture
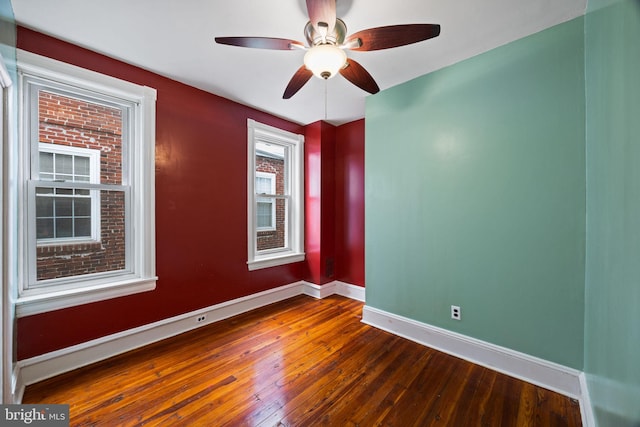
326 36
325 60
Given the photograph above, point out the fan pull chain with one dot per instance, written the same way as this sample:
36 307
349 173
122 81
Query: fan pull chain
325 99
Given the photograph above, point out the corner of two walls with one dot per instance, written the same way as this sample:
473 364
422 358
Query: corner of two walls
320 190
334 226
612 308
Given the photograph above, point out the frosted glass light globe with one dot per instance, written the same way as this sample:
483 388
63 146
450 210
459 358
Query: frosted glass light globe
325 60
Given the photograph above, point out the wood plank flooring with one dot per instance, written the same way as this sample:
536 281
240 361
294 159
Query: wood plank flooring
300 362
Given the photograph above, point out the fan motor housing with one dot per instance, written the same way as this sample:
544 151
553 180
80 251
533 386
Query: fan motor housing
336 37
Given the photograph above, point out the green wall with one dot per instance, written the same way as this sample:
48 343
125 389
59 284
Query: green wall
7 34
475 196
612 314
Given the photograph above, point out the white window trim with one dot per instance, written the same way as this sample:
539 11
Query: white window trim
295 251
94 159
7 234
272 191
142 274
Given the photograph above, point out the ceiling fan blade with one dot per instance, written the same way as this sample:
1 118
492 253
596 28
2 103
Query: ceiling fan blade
260 42
322 11
391 36
360 77
298 80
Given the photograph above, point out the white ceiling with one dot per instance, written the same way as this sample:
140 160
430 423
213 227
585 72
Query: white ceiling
175 39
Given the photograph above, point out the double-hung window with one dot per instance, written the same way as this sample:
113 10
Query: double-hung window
64 214
275 196
266 202
87 149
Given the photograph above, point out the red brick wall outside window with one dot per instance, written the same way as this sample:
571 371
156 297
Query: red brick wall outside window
77 123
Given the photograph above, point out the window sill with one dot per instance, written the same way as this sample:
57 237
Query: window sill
57 248
274 261
28 305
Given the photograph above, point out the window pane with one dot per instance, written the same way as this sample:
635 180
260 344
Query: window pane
269 149
63 165
82 227
63 227
63 206
82 207
44 228
46 164
64 216
264 214
82 168
75 259
90 124
44 206
263 185
274 237
270 168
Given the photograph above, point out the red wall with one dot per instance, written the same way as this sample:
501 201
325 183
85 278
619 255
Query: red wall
349 203
201 206
201 245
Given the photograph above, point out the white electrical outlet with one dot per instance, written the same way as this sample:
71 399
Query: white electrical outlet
456 313
201 318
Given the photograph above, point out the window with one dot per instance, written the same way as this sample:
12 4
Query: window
67 214
87 146
265 206
275 196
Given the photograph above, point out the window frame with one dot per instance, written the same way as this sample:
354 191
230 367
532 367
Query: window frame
138 172
293 250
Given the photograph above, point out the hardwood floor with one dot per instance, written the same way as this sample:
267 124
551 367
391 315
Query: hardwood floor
300 362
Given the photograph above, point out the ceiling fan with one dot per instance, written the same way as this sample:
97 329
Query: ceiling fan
327 40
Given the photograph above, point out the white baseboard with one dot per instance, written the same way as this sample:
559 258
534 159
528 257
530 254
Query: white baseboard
588 419
38 368
537 371
319 291
16 389
350 291
546 374
336 287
